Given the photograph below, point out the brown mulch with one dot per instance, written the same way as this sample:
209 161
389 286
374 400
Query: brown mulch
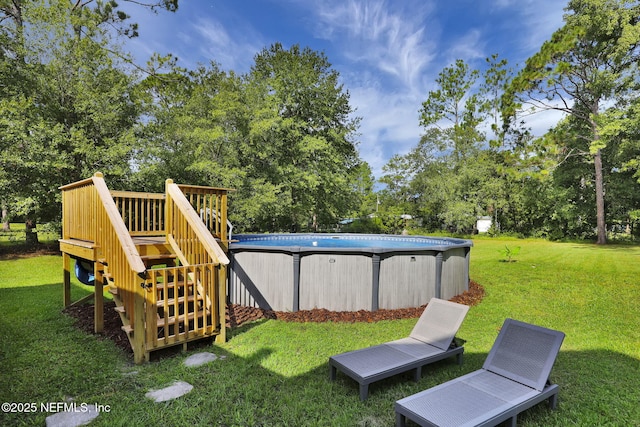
237 315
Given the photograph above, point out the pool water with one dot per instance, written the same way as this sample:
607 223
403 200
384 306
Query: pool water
345 241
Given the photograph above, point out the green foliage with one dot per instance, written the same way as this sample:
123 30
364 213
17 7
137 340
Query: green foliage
588 65
304 134
494 230
68 109
281 136
450 178
367 224
550 186
285 138
509 254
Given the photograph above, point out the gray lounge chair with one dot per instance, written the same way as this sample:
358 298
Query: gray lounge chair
514 377
429 341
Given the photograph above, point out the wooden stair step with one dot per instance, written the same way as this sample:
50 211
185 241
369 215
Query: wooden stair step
127 328
158 256
181 300
173 285
120 309
180 319
152 260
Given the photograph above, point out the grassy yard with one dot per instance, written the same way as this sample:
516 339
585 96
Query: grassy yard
276 373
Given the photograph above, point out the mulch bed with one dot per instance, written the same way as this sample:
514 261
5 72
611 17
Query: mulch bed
237 315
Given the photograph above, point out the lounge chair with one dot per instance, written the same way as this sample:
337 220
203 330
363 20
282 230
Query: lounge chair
429 341
514 377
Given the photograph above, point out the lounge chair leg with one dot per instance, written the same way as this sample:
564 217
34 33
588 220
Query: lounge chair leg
364 392
553 401
418 373
401 420
513 421
332 373
459 358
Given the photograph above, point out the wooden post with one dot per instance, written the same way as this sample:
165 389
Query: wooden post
66 279
98 299
222 303
140 353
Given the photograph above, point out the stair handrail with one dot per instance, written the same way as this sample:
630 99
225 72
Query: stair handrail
126 242
211 246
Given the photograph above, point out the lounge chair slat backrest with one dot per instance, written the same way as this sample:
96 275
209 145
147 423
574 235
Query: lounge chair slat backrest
524 353
439 323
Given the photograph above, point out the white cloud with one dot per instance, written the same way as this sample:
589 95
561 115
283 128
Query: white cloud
389 124
469 46
232 52
542 121
388 36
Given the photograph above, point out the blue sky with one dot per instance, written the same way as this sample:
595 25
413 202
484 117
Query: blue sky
388 53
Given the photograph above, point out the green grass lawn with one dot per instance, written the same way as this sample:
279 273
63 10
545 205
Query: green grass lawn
276 373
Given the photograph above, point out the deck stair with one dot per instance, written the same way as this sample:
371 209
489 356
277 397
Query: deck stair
163 263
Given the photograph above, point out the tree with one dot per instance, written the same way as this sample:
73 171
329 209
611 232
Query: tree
451 113
441 175
587 66
66 99
193 128
281 136
197 131
301 137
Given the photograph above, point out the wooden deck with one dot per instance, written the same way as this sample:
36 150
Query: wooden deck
161 259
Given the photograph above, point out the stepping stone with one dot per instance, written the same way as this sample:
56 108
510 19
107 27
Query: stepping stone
199 359
82 416
175 390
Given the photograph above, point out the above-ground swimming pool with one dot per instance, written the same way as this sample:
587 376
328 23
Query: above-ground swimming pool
345 272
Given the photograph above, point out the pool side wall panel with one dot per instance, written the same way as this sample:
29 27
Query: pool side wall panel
407 280
262 279
455 273
336 282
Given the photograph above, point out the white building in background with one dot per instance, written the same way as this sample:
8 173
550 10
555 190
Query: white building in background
483 224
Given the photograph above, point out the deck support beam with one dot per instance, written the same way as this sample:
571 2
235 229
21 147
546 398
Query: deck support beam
98 299
222 303
66 279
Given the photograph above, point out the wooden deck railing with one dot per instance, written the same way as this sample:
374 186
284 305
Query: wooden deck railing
197 248
185 311
188 233
211 205
142 213
79 197
93 216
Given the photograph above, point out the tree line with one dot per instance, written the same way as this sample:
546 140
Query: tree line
284 135
478 157
73 102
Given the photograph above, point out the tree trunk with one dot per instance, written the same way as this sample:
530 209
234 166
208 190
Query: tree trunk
600 214
6 225
31 235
